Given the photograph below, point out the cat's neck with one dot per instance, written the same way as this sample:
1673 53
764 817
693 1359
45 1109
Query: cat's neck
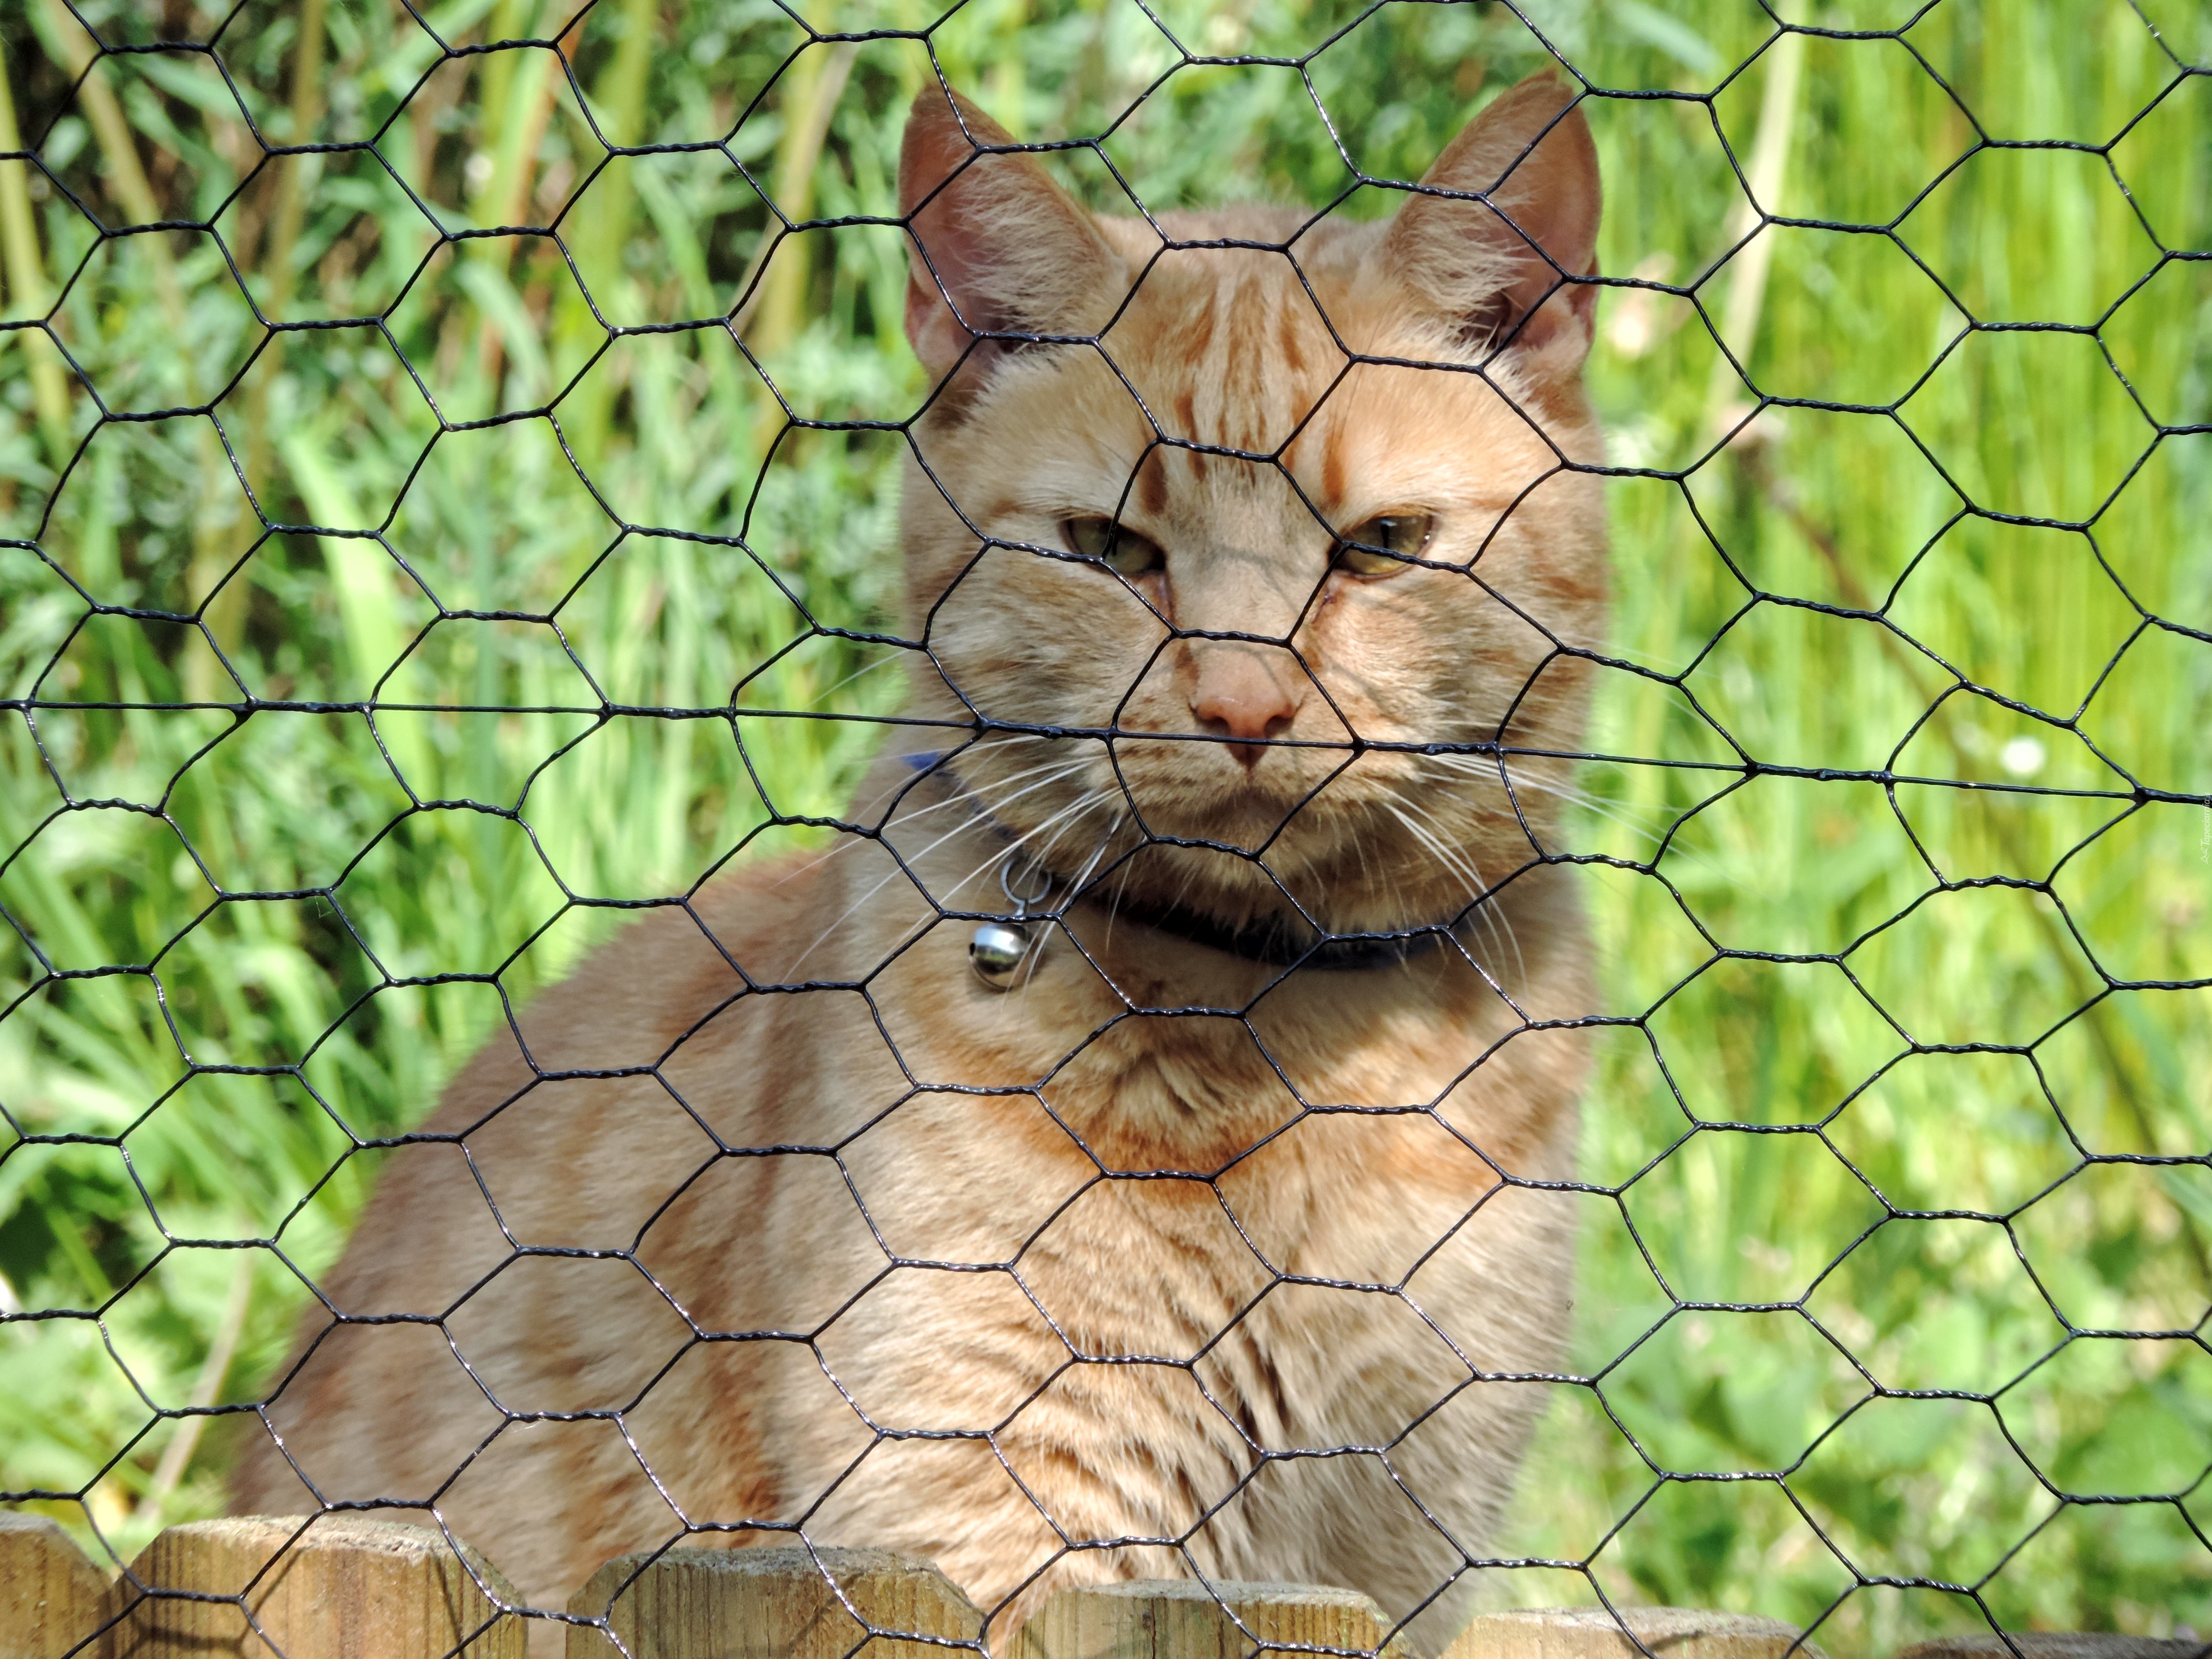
1222 950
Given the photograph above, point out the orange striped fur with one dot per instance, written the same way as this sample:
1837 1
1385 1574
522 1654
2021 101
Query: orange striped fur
1222 415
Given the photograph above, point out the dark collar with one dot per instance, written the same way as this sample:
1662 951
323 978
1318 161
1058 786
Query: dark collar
1279 941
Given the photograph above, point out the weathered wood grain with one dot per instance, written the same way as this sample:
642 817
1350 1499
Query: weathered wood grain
1594 1634
770 1603
347 1588
1183 1619
52 1598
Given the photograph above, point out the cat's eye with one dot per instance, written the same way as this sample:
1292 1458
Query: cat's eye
1381 545
1114 544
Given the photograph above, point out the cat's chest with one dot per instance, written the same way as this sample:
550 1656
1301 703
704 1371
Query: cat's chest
1154 1073
1136 1118
1299 1150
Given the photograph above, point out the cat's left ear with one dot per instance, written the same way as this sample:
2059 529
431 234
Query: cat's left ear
1499 268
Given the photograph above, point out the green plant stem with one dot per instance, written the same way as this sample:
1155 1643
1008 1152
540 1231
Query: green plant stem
521 101
27 283
812 88
65 40
604 216
293 173
776 303
1767 173
184 1441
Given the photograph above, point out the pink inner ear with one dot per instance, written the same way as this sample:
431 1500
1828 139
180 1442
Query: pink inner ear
941 138
1011 249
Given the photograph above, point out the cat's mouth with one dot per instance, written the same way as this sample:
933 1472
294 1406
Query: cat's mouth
1343 851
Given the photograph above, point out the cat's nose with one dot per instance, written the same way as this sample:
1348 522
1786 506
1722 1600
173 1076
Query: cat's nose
1244 697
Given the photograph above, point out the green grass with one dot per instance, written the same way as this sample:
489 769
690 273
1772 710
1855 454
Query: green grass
268 1033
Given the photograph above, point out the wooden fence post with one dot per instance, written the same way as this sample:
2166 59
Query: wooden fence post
1183 1619
347 1588
50 1596
1594 1634
768 1603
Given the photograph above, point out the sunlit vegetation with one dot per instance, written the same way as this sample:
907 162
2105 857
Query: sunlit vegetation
1886 1145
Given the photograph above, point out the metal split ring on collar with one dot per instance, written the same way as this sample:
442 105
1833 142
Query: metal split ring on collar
999 950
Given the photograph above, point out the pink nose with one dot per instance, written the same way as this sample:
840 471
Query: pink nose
1241 696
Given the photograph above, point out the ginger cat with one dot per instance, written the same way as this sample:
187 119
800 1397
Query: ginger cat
847 1258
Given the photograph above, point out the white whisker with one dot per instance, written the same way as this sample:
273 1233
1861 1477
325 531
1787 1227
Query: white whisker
1121 892
1460 863
961 796
1460 860
956 829
865 668
1519 782
1075 885
1083 803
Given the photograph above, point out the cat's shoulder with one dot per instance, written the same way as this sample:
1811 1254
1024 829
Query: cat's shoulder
632 998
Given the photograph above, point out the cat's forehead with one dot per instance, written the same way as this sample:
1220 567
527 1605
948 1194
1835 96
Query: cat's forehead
1238 324
1252 350
1232 348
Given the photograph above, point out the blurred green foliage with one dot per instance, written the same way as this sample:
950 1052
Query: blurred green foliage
1910 1208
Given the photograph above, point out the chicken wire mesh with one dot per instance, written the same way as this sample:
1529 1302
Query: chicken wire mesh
450 476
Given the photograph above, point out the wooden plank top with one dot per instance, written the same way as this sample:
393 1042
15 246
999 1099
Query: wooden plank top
52 1597
1596 1633
769 1602
1186 1619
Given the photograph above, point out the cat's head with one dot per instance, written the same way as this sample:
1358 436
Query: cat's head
1255 513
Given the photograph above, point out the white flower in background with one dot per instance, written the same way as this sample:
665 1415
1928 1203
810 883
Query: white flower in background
2022 757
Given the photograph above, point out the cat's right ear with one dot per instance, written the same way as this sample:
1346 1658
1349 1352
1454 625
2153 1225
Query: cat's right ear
997 246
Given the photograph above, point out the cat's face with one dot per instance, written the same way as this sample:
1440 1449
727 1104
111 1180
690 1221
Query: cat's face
1397 550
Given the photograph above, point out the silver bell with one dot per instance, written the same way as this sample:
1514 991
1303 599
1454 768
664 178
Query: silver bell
997 950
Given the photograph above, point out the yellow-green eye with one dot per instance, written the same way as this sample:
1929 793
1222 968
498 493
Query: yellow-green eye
1381 546
1114 544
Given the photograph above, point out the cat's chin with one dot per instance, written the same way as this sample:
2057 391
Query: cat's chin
1246 808
1289 881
